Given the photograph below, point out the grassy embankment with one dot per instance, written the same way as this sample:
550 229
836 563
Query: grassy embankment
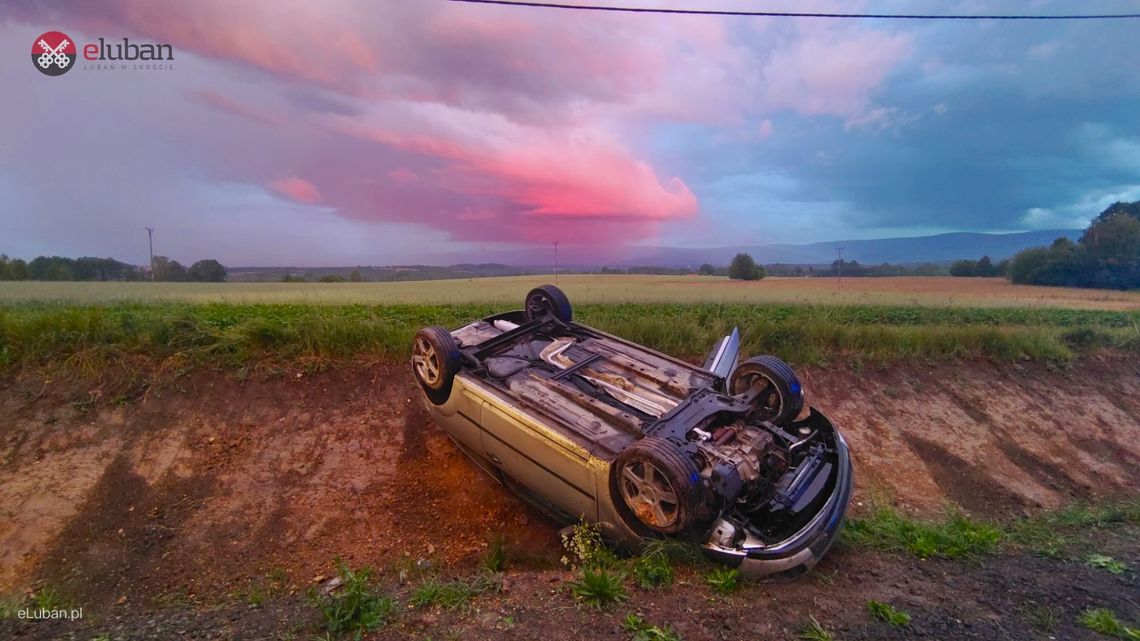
238 334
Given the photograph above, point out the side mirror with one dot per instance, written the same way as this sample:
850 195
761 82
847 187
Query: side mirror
722 360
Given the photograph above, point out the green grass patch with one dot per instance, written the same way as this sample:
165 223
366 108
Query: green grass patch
1049 533
1107 563
1105 621
644 631
1053 533
652 570
723 580
356 606
599 587
813 630
234 334
455 593
886 529
886 613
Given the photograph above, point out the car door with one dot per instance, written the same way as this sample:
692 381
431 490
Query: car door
547 464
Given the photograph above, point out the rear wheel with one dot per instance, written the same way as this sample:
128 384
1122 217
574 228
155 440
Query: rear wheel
547 301
780 397
654 487
435 362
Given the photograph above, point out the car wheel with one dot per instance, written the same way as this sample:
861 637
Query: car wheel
435 362
781 396
546 301
654 487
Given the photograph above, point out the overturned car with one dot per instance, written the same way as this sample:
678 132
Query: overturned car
588 426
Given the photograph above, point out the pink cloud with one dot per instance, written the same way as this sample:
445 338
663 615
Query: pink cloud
229 105
490 123
298 189
402 175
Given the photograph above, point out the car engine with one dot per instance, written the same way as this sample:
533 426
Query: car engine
742 462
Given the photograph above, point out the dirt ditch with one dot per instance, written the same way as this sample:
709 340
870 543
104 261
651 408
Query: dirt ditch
208 482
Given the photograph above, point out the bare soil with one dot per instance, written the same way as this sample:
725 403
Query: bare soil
160 515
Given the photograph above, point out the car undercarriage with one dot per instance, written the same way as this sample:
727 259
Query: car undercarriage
717 455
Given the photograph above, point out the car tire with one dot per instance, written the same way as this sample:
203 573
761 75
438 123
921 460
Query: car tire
435 362
783 398
654 487
547 301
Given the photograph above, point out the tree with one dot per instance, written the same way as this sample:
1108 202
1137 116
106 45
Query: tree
331 278
743 267
355 276
983 268
168 270
207 271
707 269
1107 254
16 269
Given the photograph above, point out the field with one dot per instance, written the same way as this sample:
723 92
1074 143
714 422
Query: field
906 291
188 461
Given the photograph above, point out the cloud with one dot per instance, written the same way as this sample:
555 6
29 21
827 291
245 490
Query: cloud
298 189
464 126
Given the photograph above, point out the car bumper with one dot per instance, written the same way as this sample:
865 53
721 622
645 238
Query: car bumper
799 553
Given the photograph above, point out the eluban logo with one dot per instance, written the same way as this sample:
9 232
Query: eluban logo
53 53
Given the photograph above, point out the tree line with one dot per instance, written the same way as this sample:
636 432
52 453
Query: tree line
1106 256
87 268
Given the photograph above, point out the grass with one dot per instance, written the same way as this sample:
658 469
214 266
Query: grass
495 558
1105 621
812 630
91 336
599 587
653 570
886 529
1107 563
644 631
356 607
1041 617
1052 533
885 612
723 580
453 594
1048 534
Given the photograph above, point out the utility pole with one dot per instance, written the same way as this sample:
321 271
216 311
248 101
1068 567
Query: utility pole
556 262
839 250
150 239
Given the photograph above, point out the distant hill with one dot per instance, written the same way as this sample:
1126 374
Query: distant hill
920 249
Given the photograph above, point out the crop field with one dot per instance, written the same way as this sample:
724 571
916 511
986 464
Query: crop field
805 321
584 289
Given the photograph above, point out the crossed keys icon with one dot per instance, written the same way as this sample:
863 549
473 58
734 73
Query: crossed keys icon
53 56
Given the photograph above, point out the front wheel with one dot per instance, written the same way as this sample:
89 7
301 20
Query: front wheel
435 362
654 487
780 397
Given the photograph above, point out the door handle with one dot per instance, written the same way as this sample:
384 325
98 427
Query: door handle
494 459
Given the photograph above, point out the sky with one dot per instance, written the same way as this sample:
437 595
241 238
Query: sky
377 132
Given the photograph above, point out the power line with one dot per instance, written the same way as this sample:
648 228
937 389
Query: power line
798 14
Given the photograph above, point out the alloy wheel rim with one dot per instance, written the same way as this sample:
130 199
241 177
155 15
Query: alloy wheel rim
426 361
648 493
